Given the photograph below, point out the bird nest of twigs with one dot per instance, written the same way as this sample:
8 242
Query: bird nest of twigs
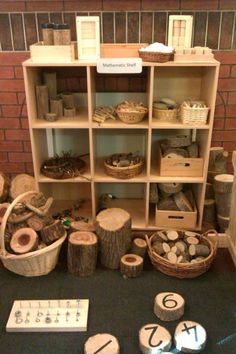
63 167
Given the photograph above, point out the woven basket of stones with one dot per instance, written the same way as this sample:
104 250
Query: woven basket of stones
124 166
131 112
181 254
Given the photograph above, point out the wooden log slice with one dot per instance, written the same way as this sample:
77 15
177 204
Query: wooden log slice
190 337
223 203
172 257
223 222
3 209
82 253
82 226
182 202
172 235
24 240
199 250
154 339
223 183
169 306
103 343
193 150
36 223
181 245
209 211
52 232
209 191
170 188
22 183
113 228
131 265
4 187
139 247
179 141
192 240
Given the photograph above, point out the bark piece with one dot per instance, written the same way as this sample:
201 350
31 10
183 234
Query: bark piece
190 337
82 253
169 306
139 247
22 183
170 188
182 202
42 100
4 187
24 240
52 232
102 343
154 337
179 141
131 265
113 229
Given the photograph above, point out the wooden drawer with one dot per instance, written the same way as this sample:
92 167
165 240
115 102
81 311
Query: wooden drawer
176 219
180 167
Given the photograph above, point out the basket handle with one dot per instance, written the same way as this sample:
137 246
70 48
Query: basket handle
6 215
212 231
148 242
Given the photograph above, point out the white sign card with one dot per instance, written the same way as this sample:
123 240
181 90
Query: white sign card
119 65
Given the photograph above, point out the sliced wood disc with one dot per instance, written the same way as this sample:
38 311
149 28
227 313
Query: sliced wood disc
172 235
131 265
103 343
223 183
24 240
154 339
22 183
172 257
191 240
190 337
169 306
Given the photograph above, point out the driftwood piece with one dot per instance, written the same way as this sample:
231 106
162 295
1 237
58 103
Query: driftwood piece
42 100
40 211
52 232
190 337
232 223
209 211
139 247
50 80
169 306
4 187
182 202
56 106
82 253
3 209
113 229
22 183
131 265
154 337
102 343
24 240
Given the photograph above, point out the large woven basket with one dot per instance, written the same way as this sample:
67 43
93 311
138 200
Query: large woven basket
30 264
184 270
193 115
156 57
124 172
131 117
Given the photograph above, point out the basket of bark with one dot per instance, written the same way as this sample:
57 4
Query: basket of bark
190 266
35 263
123 168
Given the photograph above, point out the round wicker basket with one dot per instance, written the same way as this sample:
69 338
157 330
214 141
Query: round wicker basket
131 117
30 264
165 114
124 172
156 56
183 270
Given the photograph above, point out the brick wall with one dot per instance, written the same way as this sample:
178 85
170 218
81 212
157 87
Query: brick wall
121 21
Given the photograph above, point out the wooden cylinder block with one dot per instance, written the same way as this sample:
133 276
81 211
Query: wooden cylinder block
102 343
56 106
3 209
169 306
199 250
131 265
50 80
154 339
69 112
24 240
51 117
68 99
113 229
139 247
223 222
42 100
4 187
82 253
190 337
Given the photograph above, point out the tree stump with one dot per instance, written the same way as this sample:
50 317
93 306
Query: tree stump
139 247
131 265
24 240
169 306
22 183
113 229
82 253
52 232
154 337
97 343
190 337
4 187
223 183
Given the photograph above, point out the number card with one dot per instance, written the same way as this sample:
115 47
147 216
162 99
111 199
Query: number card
102 343
190 337
153 336
169 306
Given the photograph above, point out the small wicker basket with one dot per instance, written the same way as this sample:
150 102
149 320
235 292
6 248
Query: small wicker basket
167 115
156 57
193 115
30 264
131 117
184 270
124 172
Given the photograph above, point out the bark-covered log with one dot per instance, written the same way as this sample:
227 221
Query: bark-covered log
139 247
131 265
52 232
209 211
24 240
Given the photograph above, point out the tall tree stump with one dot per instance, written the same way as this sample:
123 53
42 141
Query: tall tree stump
82 253
114 233
102 343
223 185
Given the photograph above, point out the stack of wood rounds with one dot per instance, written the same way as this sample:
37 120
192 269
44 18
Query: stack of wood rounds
169 306
179 246
82 253
190 337
131 265
154 339
102 343
113 228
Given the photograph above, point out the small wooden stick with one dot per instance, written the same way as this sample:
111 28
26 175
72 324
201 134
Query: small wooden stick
42 211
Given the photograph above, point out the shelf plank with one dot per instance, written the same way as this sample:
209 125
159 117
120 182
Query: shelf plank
178 179
157 124
117 124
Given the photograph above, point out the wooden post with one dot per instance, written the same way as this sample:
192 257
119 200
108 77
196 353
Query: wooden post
42 100
82 253
114 233
50 80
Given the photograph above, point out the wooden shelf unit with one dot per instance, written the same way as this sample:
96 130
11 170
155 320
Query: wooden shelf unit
179 81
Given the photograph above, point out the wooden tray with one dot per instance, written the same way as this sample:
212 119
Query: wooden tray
53 53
